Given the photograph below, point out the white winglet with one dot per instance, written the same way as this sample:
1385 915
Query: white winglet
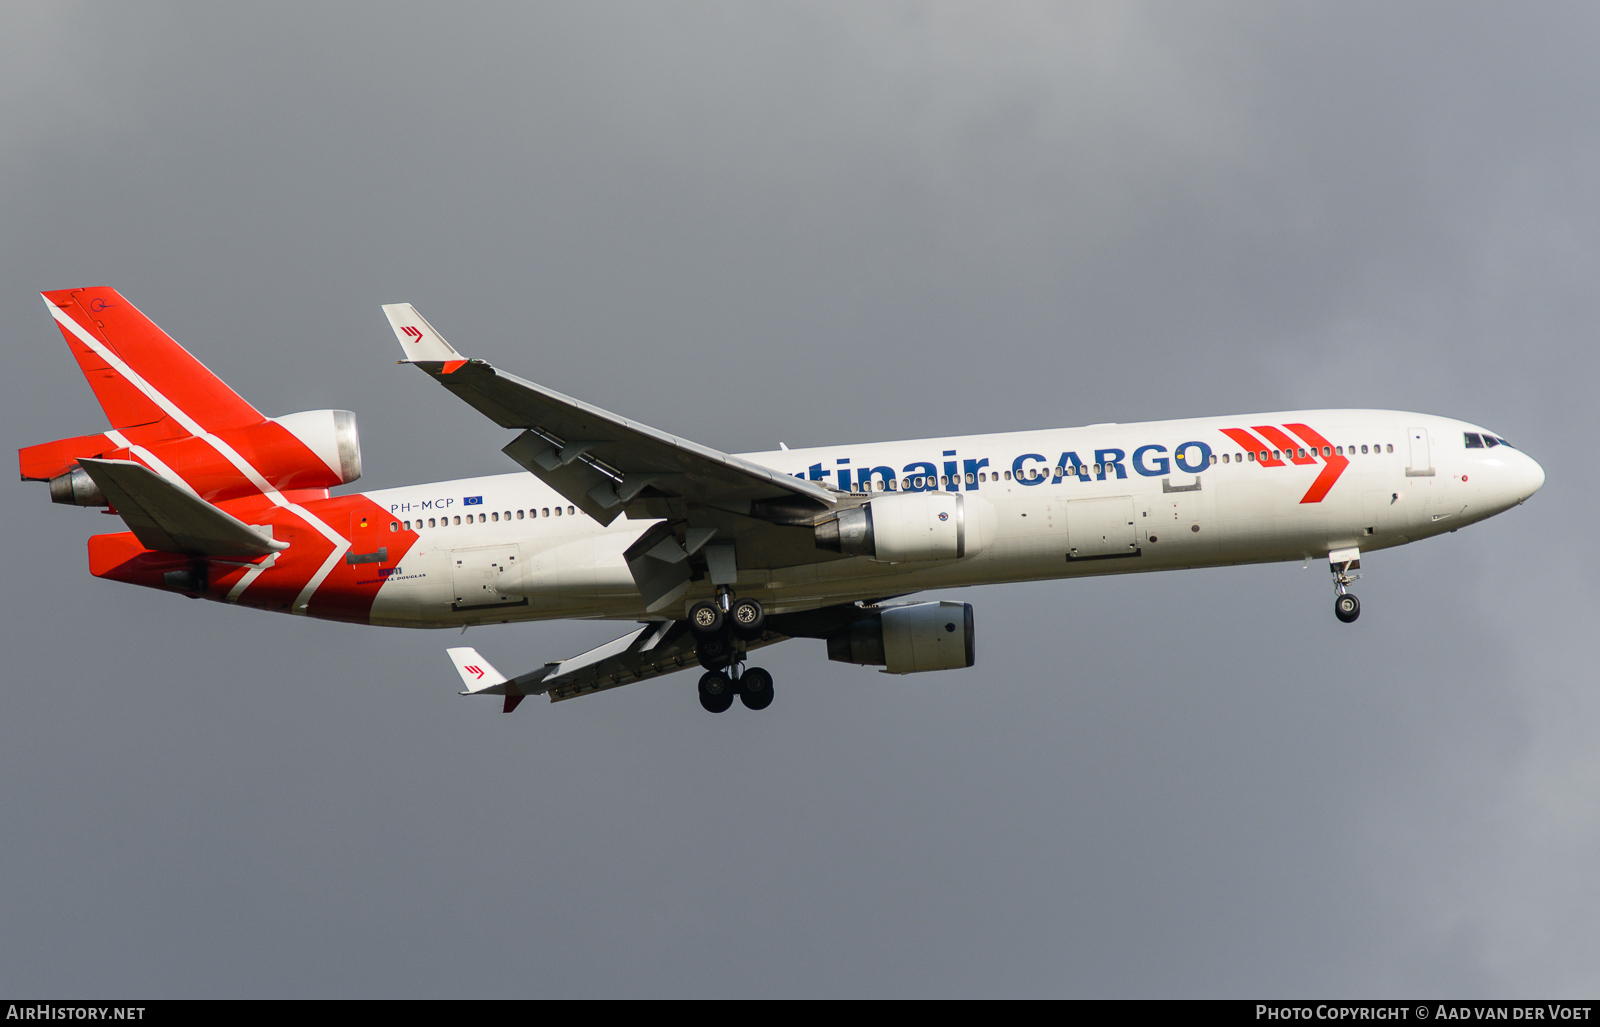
416 335
477 673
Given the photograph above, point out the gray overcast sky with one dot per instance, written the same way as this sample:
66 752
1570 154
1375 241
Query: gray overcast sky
818 223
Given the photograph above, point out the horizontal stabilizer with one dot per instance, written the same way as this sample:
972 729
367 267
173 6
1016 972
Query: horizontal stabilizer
417 337
168 519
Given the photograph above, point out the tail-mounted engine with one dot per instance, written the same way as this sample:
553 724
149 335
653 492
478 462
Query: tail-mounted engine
314 449
908 639
909 528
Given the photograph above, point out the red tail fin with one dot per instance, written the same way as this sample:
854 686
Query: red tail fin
139 375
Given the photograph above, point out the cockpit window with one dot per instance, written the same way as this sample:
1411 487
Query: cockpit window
1474 440
1495 440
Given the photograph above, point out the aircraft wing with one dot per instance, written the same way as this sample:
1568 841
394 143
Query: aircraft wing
598 460
658 648
168 519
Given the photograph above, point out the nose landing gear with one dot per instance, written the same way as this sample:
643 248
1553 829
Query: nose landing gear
1341 562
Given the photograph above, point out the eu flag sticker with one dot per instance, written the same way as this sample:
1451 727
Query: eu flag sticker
472 501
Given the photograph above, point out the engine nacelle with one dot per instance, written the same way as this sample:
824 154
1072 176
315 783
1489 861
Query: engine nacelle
908 639
910 528
332 436
76 488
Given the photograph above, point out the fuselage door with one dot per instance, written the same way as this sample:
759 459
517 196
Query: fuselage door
477 573
1100 527
1421 465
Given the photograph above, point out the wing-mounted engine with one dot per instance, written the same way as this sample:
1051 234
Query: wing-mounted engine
908 639
912 527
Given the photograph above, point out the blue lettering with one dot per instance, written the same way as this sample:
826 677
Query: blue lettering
1016 469
1163 466
1107 459
1067 462
866 474
950 471
817 473
929 473
1182 454
972 469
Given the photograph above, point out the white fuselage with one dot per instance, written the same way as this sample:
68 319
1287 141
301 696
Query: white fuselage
1193 496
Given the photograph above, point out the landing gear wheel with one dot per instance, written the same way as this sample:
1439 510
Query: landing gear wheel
755 688
705 619
714 653
716 692
748 618
1347 608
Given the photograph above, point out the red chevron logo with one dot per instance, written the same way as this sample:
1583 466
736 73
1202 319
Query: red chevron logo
1268 454
476 672
414 332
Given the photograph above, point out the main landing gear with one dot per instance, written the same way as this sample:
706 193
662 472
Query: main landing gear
1346 607
718 687
720 627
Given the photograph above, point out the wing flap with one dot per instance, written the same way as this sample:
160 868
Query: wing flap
168 519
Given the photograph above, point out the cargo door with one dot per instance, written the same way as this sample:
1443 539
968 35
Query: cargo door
477 573
1100 528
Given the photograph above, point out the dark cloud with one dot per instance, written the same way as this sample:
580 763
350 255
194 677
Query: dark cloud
817 223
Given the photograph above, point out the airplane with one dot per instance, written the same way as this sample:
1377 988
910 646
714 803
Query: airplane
714 555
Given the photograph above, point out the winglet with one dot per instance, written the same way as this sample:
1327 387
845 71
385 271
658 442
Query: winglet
477 673
417 337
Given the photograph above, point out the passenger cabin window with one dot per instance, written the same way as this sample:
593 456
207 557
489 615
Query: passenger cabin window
1388 448
1363 449
1213 458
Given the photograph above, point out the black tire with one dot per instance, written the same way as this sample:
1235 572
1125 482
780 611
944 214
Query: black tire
748 618
705 619
1347 608
714 653
755 688
716 692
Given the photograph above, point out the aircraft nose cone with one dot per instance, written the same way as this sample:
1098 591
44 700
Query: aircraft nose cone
1527 477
